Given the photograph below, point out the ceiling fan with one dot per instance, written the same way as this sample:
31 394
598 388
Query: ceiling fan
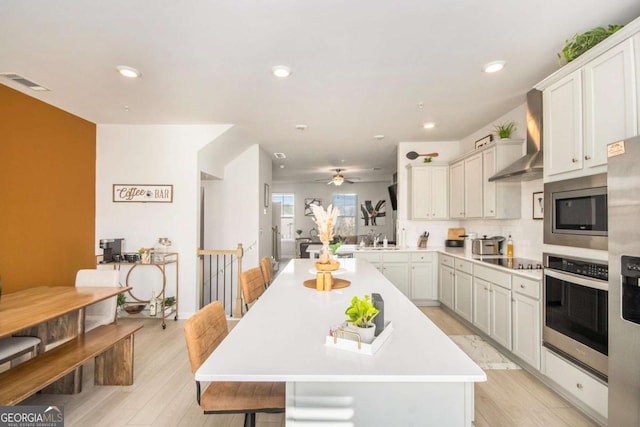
337 179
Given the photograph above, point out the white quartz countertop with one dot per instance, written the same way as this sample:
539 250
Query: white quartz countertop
455 252
282 336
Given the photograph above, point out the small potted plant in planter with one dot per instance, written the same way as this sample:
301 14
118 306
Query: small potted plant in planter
169 304
122 300
504 130
361 313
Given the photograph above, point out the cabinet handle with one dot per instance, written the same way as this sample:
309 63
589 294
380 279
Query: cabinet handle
486 289
522 286
574 160
433 214
587 157
579 386
490 211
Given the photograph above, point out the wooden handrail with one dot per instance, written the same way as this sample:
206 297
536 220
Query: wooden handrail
238 253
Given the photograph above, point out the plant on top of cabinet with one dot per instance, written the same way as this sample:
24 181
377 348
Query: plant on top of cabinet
580 43
504 130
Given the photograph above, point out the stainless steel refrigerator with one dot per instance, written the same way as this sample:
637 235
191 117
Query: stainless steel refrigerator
624 273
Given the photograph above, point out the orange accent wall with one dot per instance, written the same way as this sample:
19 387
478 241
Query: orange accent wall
47 193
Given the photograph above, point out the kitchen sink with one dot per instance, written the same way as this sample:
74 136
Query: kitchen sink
377 248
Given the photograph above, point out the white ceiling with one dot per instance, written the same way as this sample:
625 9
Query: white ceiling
360 67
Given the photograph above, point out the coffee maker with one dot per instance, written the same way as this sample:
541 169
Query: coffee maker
112 249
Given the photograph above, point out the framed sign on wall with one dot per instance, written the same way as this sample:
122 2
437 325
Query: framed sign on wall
143 193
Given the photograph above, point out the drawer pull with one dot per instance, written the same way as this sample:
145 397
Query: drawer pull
574 160
579 386
522 286
587 157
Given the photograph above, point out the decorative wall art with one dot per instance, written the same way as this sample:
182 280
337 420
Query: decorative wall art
308 211
142 193
484 141
538 205
372 215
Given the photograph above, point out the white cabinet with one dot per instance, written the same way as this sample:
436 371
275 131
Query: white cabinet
562 115
501 315
446 281
500 199
609 99
423 279
527 320
636 55
482 305
588 109
584 387
398 274
412 273
492 304
456 194
463 295
472 195
429 192
473 186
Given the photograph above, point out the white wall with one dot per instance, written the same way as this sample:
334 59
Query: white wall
153 154
373 191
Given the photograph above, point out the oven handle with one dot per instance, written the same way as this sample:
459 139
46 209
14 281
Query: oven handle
578 280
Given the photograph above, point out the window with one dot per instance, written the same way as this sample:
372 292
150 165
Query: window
286 213
348 218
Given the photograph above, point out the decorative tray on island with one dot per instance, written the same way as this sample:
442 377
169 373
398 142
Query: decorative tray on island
349 340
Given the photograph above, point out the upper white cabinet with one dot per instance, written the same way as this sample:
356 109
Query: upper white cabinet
472 195
456 195
429 192
610 102
500 199
473 186
594 105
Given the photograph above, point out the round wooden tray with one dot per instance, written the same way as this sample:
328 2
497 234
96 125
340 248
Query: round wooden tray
337 283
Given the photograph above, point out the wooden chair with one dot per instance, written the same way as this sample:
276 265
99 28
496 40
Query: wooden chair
104 312
267 270
252 284
204 331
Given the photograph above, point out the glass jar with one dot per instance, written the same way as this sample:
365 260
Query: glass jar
161 249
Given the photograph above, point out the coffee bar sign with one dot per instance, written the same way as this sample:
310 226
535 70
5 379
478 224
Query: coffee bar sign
143 193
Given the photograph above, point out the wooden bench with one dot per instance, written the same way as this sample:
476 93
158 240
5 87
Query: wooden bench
110 345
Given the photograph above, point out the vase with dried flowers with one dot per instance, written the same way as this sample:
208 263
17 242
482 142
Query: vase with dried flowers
325 220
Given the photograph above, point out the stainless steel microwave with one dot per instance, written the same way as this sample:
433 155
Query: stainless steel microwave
575 212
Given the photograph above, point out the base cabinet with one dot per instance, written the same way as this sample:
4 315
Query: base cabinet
413 273
576 382
447 289
464 295
492 310
527 320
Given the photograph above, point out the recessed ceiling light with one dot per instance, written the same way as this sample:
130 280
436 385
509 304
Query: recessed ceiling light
280 155
378 137
429 125
281 166
128 72
301 127
493 67
281 71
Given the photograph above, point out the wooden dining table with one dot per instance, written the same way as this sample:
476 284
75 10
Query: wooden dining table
55 314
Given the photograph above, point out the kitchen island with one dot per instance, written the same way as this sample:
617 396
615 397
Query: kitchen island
418 376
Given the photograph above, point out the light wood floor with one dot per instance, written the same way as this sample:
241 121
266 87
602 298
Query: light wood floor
164 391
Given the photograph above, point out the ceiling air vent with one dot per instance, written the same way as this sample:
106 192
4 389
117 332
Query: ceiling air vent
23 81
280 155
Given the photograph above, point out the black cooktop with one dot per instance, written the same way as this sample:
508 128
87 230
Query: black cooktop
514 263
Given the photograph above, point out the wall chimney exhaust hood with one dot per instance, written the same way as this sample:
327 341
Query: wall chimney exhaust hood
528 167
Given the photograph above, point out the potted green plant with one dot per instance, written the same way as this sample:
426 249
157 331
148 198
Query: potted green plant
169 302
580 43
361 313
504 130
122 300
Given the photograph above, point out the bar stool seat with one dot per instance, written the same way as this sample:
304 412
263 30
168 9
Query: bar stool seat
12 347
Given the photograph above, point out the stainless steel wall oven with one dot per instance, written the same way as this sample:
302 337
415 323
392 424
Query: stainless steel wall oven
575 212
576 311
